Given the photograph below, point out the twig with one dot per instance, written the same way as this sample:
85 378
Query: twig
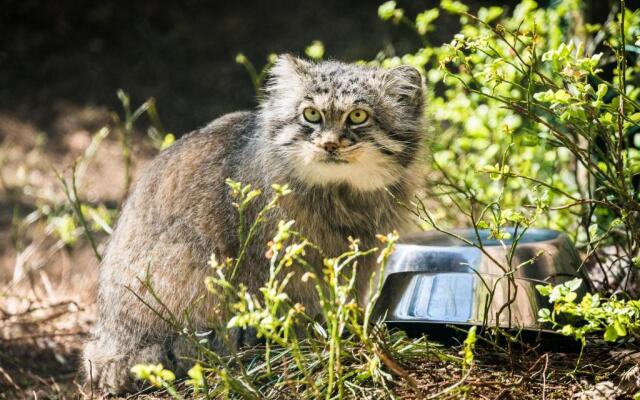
452 387
74 202
544 376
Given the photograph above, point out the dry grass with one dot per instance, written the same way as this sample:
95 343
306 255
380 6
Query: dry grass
46 288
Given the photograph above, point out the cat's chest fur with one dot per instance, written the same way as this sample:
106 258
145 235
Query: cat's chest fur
330 215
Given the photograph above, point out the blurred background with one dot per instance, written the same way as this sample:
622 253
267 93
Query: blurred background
72 56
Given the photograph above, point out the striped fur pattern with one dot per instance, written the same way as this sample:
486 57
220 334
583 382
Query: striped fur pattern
180 211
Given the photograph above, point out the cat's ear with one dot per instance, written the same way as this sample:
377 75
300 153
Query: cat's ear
404 83
290 64
286 72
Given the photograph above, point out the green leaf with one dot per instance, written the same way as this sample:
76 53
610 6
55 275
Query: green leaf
570 297
544 314
544 290
574 284
241 58
386 10
196 375
547 96
489 14
610 334
482 225
513 216
167 141
453 7
315 50
620 329
424 20
616 222
469 346
562 96
65 227
602 91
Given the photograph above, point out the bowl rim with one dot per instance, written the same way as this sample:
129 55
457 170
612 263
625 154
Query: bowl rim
481 274
546 235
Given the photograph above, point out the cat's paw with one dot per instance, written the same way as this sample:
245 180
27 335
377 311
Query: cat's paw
110 372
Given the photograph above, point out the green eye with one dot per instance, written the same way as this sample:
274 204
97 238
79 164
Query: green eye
312 115
358 116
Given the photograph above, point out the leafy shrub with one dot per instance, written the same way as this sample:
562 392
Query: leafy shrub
536 109
537 117
613 318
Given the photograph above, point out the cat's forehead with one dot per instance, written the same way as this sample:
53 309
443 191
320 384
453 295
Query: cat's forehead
336 82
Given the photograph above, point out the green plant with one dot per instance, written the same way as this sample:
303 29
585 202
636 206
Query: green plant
469 346
125 128
315 50
158 376
535 117
257 77
342 353
614 318
64 219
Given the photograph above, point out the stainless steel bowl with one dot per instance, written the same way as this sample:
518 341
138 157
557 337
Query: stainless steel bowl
434 278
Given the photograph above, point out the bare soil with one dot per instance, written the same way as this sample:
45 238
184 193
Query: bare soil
46 288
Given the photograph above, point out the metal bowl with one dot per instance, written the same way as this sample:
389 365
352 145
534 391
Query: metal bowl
434 278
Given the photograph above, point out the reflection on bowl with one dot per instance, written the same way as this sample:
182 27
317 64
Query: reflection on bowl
436 278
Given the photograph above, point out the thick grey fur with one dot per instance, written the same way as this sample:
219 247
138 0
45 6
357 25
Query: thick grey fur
180 210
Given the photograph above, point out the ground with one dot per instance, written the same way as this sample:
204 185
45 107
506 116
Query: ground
46 301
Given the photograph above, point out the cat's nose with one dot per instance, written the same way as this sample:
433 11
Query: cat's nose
329 146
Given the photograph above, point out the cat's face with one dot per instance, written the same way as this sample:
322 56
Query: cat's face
332 123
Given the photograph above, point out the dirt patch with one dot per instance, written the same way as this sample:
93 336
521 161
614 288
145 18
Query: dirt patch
47 287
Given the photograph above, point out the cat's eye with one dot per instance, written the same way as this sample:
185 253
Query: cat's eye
358 116
312 115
